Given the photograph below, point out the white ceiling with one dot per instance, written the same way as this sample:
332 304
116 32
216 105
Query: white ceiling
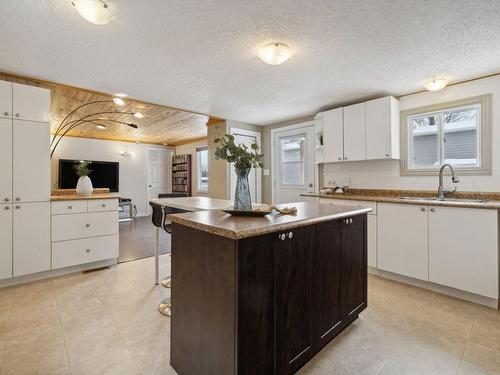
199 55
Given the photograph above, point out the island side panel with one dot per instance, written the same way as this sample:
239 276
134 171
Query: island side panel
256 305
203 302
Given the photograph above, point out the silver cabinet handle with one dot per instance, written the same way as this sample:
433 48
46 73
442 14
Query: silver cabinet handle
290 235
6 208
422 209
70 207
282 236
87 251
18 115
433 210
6 113
18 199
345 157
386 155
103 205
87 225
6 199
18 207
340 158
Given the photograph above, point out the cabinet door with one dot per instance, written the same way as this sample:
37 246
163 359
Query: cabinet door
402 239
354 268
5 241
31 161
6 160
31 238
5 99
30 103
372 241
333 135
463 249
354 132
326 263
382 128
293 299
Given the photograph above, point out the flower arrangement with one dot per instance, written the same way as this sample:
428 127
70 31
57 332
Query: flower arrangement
242 156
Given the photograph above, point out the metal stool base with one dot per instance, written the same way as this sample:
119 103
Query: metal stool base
167 282
165 307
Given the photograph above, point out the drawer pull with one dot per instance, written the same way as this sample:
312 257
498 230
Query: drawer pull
103 205
6 113
70 207
290 235
18 207
18 115
87 251
87 225
18 199
6 208
282 236
6 199
422 209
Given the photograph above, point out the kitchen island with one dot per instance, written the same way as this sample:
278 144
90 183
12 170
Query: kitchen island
263 295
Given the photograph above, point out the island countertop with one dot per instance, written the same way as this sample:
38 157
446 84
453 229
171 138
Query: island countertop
238 227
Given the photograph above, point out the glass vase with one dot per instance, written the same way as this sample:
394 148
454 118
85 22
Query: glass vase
242 198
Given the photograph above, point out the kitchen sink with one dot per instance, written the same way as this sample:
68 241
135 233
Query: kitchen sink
434 199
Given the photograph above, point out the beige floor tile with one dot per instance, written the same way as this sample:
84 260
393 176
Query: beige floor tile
6 295
482 357
469 369
117 363
80 308
34 314
486 330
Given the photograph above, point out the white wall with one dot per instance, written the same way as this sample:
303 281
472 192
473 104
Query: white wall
133 169
190 148
385 174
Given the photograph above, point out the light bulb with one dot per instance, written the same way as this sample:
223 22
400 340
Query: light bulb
274 53
138 115
118 101
94 11
101 126
435 84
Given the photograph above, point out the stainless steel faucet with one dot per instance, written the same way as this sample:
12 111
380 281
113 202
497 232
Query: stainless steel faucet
441 192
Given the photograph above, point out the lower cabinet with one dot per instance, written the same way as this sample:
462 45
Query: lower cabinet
31 238
403 239
5 241
463 249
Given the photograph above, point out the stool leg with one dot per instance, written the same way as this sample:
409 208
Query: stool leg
165 307
167 282
157 259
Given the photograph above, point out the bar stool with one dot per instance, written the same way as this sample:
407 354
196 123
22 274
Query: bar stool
158 218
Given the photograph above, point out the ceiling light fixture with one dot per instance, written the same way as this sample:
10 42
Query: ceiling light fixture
94 11
121 95
101 126
138 115
435 84
118 101
274 53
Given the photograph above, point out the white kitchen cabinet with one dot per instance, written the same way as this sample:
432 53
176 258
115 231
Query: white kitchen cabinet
6 160
402 239
5 241
5 99
333 135
31 161
84 225
354 132
372 241
31 238
30 103
382 128
463 249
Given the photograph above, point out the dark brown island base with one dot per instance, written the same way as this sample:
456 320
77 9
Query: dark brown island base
263 295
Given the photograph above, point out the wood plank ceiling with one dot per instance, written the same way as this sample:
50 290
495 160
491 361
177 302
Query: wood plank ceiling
160 124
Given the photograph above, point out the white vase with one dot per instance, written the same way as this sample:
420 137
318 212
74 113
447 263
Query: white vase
84 186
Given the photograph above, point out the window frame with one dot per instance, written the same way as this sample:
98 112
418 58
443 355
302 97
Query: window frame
199 189
484 154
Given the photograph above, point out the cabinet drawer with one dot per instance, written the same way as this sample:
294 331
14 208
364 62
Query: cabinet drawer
96 205
92 224
87 250
349 203
68 207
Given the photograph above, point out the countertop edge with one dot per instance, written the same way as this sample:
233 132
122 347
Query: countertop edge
222 232
58 198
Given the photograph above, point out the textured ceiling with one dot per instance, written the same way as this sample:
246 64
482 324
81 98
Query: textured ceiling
200 55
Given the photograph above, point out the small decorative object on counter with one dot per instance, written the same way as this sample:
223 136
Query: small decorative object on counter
244 159
342 188
84 186
285 210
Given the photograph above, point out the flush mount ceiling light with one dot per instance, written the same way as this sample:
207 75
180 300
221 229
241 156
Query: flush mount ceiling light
94 11
118 101
138 115
435 84
274 53
101 126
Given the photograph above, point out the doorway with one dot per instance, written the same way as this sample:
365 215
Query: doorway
247 137
293 163
159 173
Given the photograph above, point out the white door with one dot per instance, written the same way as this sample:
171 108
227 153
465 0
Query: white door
31 161
402 239
293 171
354 132
463 249
6 160
333 135
5 99
5 241
31 238
30 103
159 172
247 138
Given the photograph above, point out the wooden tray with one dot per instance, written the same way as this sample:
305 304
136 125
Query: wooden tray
247 213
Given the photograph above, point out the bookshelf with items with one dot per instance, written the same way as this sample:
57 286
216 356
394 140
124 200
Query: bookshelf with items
181 174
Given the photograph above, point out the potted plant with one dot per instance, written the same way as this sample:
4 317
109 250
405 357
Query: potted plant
84 185
244 159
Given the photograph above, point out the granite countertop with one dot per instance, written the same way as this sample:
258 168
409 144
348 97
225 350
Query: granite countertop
237 227
70 195
491 200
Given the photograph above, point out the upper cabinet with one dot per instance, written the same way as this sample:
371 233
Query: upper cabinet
5 99
354 132
364 131
382 128
30 103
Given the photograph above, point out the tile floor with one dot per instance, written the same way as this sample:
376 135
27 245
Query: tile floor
107 322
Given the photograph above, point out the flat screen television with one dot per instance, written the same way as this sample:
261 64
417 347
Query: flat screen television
105 174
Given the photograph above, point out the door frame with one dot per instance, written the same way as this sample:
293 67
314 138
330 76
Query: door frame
258 174
169 176
305 124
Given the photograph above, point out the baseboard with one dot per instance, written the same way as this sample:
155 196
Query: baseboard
460 294
59 272
373 271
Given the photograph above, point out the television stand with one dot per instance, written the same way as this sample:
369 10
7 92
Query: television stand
125 206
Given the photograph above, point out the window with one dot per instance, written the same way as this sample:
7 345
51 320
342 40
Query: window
292 160
202 168
457 133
